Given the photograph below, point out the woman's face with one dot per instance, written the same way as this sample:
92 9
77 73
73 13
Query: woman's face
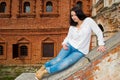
74 17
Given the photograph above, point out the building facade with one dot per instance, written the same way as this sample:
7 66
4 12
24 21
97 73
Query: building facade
107 13
31 31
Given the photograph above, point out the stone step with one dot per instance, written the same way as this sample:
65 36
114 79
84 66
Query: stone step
27 76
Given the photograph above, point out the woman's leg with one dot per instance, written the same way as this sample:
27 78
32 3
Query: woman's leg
62 54
65 63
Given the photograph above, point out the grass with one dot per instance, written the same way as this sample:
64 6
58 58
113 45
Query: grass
11 72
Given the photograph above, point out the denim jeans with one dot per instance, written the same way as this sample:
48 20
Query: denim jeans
64 59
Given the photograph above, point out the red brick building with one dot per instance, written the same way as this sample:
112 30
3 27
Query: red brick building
31 31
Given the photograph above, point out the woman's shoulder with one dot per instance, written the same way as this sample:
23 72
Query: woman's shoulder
88 18
72 26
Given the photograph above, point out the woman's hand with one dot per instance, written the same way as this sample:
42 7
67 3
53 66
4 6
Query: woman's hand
101 48
65 47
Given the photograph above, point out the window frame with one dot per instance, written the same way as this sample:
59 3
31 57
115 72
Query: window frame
4 56
55 11
79 4
22 42
26 4
22 13
22 51
6 14
1 49
1 7
45 51
49 4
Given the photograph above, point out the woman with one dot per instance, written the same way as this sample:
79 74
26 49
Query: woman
75 45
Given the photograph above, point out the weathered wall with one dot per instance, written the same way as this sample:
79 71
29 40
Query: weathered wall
108 15
104 68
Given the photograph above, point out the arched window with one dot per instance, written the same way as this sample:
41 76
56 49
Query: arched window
2 7
79 4
27 7
49 6
1 50
23 50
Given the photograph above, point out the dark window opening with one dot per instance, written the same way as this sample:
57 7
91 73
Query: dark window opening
101 27
48 49
2 7
15 50
23 51
79 4
49 6
19 51
27 7
1 50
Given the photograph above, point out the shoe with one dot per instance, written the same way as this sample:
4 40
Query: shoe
40 74
41 69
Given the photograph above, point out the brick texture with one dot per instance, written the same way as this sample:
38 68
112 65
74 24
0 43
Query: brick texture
33 28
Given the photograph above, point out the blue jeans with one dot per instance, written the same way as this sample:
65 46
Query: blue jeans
65 59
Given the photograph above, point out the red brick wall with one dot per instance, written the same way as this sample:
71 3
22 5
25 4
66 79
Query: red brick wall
34 27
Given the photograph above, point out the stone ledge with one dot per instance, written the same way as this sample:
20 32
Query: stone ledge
58 76
81 64
110 44
26 76
67 72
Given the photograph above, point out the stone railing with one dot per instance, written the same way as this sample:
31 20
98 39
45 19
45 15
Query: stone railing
82 64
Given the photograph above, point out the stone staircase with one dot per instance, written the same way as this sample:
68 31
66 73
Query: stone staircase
111 43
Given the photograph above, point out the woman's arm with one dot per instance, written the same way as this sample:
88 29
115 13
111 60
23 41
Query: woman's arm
99 34
65 41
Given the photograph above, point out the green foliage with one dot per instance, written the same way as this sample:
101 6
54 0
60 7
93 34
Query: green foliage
11 72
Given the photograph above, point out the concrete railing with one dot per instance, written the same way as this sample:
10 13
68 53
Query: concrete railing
111 43
93 55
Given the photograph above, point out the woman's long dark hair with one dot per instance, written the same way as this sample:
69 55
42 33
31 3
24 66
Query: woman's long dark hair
79 14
